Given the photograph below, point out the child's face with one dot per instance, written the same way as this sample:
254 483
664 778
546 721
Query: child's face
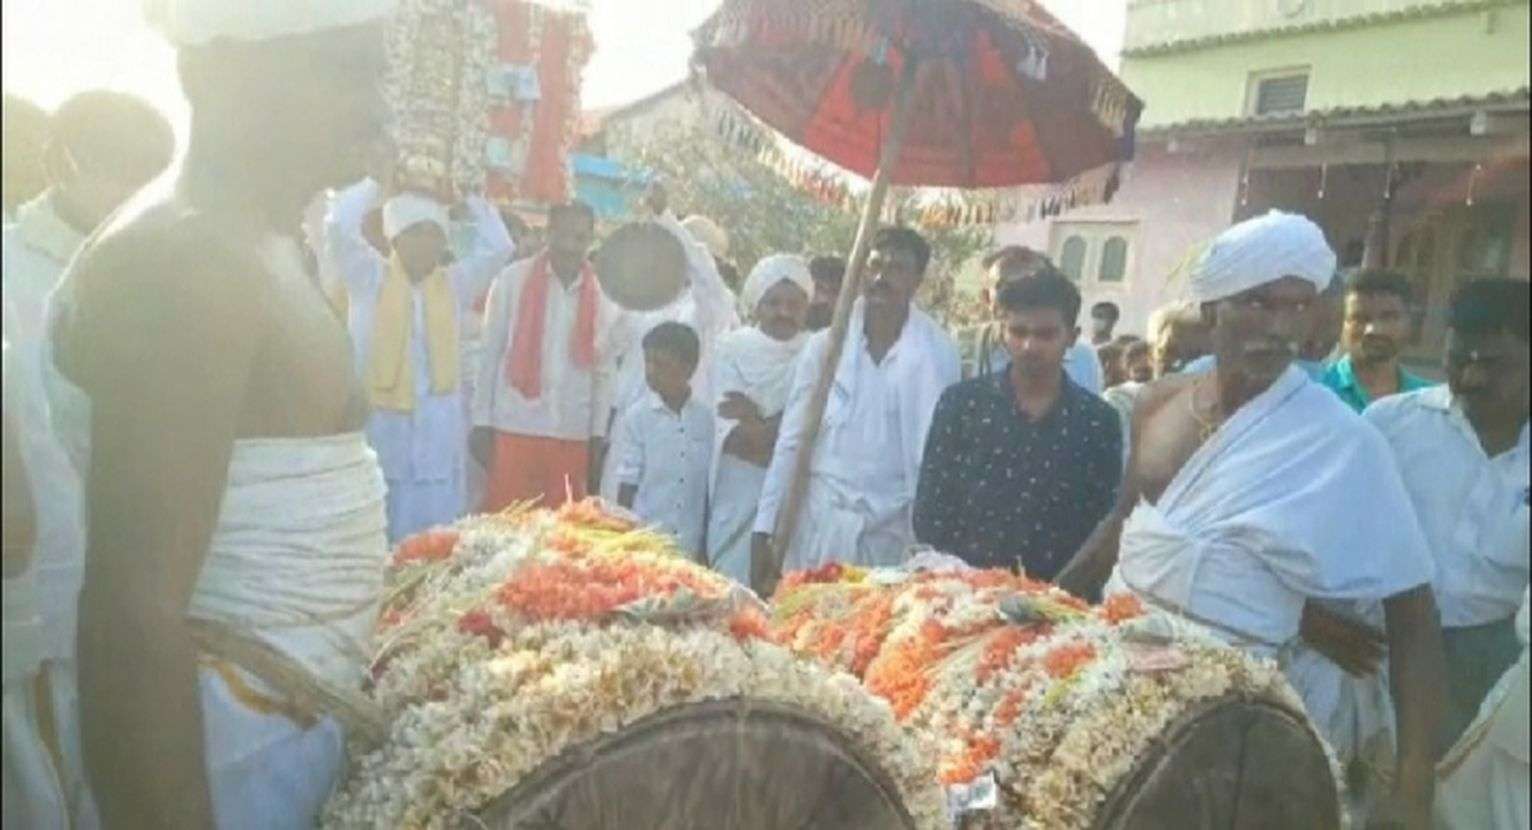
667 374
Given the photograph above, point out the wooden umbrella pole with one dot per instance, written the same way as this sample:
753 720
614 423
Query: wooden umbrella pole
851 287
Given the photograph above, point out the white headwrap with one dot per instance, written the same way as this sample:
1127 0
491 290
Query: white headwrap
199 22
407 209
1262 250
706 231
772 270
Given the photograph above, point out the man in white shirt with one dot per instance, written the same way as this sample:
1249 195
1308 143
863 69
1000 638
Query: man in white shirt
1462 450
865 466
543 393
665 449
105 146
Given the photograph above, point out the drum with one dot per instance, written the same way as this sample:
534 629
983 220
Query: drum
1231 763
642 266
727 764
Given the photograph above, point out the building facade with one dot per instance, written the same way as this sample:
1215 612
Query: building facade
1400 126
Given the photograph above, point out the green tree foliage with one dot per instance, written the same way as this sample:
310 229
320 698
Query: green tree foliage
765 213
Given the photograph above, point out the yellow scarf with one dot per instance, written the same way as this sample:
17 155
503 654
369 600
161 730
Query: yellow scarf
390 372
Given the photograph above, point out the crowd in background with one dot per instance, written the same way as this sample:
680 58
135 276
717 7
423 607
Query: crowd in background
497 371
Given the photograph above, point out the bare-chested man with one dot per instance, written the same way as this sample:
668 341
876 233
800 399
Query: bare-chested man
231 494
1251 490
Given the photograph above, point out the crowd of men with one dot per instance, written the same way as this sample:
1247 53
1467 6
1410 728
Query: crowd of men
229 390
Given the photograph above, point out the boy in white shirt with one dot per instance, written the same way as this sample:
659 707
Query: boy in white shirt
666 442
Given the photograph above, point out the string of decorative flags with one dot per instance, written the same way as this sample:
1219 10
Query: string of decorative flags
928 207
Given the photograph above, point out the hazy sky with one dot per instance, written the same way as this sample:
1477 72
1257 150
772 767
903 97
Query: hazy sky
54 48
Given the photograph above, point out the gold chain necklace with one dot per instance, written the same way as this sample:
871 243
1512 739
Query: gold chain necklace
1209 425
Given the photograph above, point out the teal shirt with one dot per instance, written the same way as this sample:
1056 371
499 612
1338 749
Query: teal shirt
1341 379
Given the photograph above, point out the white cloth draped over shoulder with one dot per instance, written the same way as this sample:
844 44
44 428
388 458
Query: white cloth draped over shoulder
866 462
1293 498
760 367
1483 780
296 561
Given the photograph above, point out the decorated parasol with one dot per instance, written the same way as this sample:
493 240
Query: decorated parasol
931 93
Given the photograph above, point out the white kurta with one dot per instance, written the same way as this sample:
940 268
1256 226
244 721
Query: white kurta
1293 498
35 251
1483 780
866 463
575 402
33 790
750 363
423 452
708 306
667 455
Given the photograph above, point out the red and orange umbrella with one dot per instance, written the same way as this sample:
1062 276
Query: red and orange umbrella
929 93
1003 94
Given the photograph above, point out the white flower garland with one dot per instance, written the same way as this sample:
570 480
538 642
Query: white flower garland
470 717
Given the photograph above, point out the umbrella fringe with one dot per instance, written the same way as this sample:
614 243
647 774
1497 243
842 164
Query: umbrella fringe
934 207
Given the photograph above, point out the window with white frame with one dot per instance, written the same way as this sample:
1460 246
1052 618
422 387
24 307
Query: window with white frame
1094 252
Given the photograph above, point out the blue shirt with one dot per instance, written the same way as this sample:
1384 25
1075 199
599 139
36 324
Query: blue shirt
998 488
1341 378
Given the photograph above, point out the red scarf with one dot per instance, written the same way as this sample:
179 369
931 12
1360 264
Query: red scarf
524 363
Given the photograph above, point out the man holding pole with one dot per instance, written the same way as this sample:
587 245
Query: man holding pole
863 470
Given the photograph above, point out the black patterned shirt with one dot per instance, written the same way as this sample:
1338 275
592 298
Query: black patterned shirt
1000 490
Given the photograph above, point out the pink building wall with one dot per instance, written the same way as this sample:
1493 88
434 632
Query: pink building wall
1178 200
1181 199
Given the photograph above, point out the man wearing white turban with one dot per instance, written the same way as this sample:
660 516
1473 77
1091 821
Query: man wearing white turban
752 371
234 507
407 313
1241 500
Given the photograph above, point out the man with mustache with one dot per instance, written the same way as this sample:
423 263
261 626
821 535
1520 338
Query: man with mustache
1244 494
1462 450
865 465
1376 323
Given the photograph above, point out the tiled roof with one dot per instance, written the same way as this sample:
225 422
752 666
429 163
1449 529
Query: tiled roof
1508 100
1412 12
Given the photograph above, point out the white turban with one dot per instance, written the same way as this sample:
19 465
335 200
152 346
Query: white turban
772 270
1263 250
199 22
706 231
407 209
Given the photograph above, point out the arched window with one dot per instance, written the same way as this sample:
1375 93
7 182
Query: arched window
1072 257
1114 260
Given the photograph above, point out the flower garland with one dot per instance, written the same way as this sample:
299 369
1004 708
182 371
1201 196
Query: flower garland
1014 679
507 639
440 55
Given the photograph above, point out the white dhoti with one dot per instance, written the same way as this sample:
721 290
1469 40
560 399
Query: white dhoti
731 516
1483 780
33 790
296 561
1294 498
